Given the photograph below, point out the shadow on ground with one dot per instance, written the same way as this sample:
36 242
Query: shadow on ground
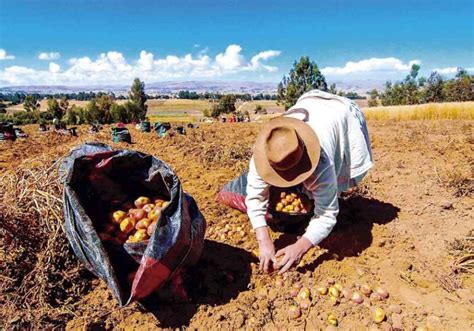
222 273
353 231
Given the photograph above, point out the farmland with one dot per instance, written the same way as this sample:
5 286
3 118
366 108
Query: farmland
405 228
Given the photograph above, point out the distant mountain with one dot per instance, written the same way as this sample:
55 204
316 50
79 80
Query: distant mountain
154 88
171 87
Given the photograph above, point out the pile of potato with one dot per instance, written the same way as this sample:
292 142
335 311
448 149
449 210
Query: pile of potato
136 224
290 203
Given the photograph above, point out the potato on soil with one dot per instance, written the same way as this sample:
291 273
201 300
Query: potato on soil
294 312
305 304
323 290
357 298
332 319
334 292
378 315
304 294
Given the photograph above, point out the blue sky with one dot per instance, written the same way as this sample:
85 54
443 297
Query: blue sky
112 40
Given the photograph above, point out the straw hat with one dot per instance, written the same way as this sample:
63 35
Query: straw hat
286 152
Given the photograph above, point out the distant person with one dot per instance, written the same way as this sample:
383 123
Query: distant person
56 123
322 142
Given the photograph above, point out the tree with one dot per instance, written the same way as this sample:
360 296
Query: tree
227 104
54 109
433 90
3 108
259 110
138 97
303 77
92 113
119 113
31 103
332 88
373 98
64 105
104 102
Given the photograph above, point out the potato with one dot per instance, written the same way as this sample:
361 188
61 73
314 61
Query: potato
366 289
378 315
294 312
332 319
118 216
159 202
357 298
143 224
305 304
304 294
140 235
323 290
154 214
383 293
282 195
151 228
127 225
141 201
333 291
148 207
137 214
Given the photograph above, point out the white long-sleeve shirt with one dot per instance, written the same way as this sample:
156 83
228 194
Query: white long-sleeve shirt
345 154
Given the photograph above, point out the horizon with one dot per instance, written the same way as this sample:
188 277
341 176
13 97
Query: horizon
112 42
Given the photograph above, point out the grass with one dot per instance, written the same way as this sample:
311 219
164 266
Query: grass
173 118
194 107
430 111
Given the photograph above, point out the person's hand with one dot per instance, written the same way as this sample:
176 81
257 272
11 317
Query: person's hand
266 249
292 254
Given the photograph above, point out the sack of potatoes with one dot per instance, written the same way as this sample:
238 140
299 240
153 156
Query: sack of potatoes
128 219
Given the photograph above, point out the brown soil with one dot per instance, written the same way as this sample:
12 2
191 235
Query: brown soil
396 231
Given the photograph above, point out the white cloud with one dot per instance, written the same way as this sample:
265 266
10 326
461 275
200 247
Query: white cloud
231 59
255 63
388 64
451 70
49 56
5 56
54 68
112 67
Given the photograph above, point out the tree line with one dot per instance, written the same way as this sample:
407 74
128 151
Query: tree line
102 109
192 95
414 90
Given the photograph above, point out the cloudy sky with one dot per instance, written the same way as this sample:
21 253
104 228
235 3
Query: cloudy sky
79 42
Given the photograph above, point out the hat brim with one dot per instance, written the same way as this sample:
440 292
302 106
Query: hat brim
299 172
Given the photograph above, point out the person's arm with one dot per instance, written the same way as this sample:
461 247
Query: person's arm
257 197
326 206
323 184
257 202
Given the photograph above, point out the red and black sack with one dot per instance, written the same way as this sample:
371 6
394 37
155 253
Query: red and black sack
97 179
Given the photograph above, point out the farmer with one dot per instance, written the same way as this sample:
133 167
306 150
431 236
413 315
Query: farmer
321 142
